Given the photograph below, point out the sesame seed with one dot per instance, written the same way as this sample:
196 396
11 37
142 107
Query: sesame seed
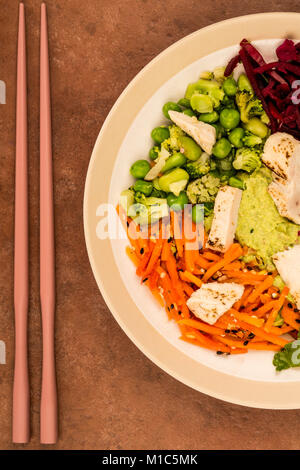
219 353
145 279
296 310
297 320
290 305
142 251
251 335
172 306
245 343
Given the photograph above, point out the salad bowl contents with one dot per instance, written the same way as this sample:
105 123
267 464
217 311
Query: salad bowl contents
213 215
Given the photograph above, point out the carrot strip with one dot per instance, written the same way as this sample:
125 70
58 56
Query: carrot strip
263 346
230 342
263 334
131 255
290 317
247 318
206 341
260 289
211 256
189 277
154 256
177 232
266 308
233 253
276 308
187 289
202 262
199 325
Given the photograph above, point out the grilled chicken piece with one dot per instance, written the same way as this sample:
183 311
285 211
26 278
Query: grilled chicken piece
212 300
288 265
224 223
204 134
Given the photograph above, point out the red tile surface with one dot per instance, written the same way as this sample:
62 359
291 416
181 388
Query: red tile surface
107 389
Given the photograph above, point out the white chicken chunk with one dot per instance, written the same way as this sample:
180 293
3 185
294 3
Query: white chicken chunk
288 265
204 134
212 300
279 150
282 156
225 218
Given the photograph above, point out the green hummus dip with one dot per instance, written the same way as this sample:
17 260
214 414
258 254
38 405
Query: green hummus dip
260 226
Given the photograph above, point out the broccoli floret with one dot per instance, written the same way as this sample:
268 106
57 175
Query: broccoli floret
248 105
147 209
158 193
200 167
173 141
139 198
212 88
247 159
203 189
208 208
251 140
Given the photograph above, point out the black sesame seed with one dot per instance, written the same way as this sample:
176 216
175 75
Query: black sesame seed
227 331
180 270
254 309
270 274
168 309
172 306
127 223
251 335
297 320
219 353
296 310
245 343
234 331
179 312
169 240
252 230
146 279
290 305
142 251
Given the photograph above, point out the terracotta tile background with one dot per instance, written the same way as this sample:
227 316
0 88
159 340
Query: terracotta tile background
110 395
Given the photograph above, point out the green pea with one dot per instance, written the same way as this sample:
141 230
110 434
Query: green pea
174 161
140 168
192 151
170 106
230 86
184 103
144 187
209 117
244 83
174 181
198 213
153 153
159 134
202 103
236 183
188 112
177 202
229 118
236 137
222 148
257 127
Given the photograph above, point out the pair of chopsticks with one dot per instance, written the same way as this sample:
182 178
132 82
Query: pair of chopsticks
21 389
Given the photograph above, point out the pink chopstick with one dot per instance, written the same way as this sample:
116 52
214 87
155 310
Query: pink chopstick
21 394
48 424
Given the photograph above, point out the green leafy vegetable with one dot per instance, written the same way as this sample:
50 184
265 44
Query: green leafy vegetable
289 356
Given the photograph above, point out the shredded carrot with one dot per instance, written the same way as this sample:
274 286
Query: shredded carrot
276 308
200 325
233 253
247 318
189 277
260 289
290 317
263 334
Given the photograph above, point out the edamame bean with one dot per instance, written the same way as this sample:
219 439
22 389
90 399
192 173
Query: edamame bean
170 106
184 103
202 103
188 112
198 213
222 148
192 151
153 153
209 117
257 127
174 161
230 86
177 202
172 181
140 168
229 118
159 134
244 83
236 137
144 187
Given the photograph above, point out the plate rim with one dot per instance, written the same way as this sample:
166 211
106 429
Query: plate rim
215 376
